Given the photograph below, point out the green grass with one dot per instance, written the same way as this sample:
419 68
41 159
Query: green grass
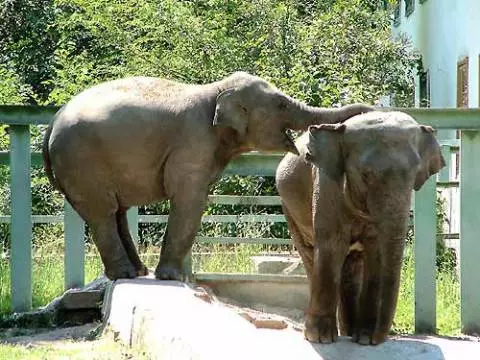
47 278
48 281
227 259
105 349
448 301
14 352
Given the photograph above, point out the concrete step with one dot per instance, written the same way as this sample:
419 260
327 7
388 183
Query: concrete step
171 320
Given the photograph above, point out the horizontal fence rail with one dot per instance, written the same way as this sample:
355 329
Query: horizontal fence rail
20 160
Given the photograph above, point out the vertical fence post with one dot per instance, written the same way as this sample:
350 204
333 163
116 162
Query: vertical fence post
469 232
425 255
132 218
21 218
444 174
74 248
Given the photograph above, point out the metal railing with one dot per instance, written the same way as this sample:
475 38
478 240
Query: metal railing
20 118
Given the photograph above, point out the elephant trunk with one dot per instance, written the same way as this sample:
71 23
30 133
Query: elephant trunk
392 230
302 115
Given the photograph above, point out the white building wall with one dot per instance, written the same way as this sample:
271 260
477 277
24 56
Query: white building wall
445 32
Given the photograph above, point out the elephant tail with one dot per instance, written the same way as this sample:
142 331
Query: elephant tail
47 164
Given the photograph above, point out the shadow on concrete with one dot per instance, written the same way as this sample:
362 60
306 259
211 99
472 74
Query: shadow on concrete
394 349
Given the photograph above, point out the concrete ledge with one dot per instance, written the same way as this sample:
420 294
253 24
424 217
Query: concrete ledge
171 320
249 289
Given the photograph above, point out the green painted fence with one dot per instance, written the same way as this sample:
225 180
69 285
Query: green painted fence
20 118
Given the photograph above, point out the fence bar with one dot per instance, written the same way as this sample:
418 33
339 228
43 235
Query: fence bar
254 164
74 248
425 249
227 240
444 118
219 218
21 227
132 218
469 230
444 175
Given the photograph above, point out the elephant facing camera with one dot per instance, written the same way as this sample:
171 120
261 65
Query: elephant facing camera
346 199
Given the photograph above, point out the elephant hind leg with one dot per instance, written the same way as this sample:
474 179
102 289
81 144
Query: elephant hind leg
350 290
95 200
110 246
128 244
304 249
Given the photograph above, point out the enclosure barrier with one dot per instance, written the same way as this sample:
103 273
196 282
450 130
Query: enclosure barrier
20 118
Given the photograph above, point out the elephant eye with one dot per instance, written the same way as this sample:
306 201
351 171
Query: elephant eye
282 105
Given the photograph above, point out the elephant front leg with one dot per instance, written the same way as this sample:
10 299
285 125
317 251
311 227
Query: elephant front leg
186 212
320 318
350 290
370 298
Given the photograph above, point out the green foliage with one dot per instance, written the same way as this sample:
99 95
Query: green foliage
446 258
27 40
325 52
12 89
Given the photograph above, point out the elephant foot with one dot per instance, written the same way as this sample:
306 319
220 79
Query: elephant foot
123 270
141 270
322 329
169 272
366 337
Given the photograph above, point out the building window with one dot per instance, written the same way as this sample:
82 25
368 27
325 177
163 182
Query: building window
396 13
409 7
462 99
424 89
462 83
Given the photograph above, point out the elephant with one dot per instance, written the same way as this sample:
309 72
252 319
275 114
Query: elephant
138 140
346 198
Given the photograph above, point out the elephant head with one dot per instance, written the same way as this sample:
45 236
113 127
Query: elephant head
260 114
365 171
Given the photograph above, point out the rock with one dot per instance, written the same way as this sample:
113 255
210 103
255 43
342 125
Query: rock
81 299
73 307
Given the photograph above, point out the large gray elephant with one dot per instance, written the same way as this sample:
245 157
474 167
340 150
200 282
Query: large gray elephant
347 198
138 140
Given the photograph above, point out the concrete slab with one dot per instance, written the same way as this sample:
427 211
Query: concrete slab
273 290
170 320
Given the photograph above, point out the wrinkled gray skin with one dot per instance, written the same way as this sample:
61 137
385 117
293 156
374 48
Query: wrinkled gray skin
139 140
346 198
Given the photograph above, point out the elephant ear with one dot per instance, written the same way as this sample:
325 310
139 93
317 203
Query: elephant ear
324 149
431 159
230 113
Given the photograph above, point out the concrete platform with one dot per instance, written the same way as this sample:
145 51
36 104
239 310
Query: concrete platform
170 320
